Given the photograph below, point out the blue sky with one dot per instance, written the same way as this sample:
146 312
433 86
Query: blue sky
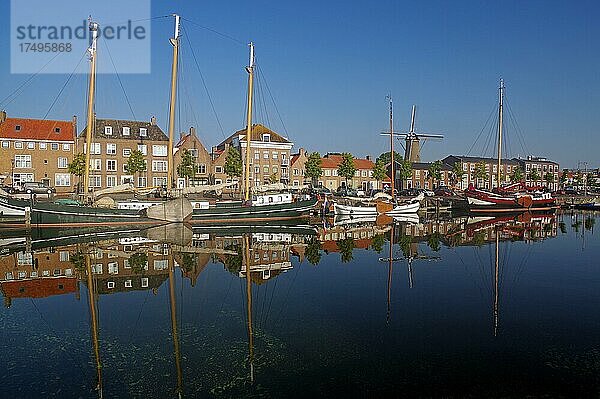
330 64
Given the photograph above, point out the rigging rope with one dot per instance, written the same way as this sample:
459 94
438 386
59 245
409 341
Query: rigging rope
105 43
481 131
274 103
215 32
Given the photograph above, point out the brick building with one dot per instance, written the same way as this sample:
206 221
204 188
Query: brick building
468 165
546 172
37 150
363 177
113 142
297 171
420 176
202 159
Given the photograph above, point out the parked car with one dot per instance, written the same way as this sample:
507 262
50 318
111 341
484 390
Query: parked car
346 192
444 192
371 192
34 187
161 192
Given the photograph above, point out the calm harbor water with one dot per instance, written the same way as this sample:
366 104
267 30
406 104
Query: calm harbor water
458 307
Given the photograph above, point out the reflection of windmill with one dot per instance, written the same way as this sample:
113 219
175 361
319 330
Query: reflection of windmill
412 139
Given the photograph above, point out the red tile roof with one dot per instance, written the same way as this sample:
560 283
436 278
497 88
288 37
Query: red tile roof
332 161
39 288
37 129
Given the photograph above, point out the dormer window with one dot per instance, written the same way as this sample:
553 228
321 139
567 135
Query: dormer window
18 128
266 138
108 130
56 130
143 132
126 131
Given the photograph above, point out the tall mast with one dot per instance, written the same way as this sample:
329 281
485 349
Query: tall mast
93 26
499 174
250 70
175 43
94 319
392 144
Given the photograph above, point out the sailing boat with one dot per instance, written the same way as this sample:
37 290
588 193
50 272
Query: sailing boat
502 201
60 215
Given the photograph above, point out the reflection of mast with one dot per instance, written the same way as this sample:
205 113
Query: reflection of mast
409 261
496 284
249 307
174 328
94 317
389 282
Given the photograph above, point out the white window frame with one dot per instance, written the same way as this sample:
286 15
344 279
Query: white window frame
108 130
159 166
63 162
143 148
159 150
111 165
111 149
62 179
126 131
143 132
22 161
111 181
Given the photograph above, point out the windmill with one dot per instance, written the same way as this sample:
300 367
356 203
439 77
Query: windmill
412 139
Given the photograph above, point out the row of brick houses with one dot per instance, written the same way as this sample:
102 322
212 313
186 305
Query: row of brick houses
41 150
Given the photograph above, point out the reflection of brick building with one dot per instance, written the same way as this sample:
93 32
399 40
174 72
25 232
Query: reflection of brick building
37 150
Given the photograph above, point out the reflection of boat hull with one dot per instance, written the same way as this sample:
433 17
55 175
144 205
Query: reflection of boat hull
238 229
349 210
411 207
235 211
342 220
411 218
588 206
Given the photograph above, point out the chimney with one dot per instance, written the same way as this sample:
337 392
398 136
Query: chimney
2 116
153 120
368 157
302 151
193 131
75 124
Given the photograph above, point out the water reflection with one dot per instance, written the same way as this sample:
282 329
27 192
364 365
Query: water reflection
136 263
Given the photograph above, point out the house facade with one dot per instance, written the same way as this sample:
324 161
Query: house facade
362 179
202 160
113 141
468 166
420 176
297 171
37 150
540 171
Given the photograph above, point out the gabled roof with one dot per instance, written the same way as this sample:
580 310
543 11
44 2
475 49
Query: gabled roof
153 131
37 129
257 134
332 161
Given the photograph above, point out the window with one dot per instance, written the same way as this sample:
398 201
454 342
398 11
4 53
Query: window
108 130
145 282
30 145
256 155
54 146
159 150
193 152
97 268
275 169
126 131
111 181
161 264
127 283
18 145
143 132
266 138
126 152
113 268
111 149
363 173
5 144
66 147
265 170
111 165
142 182
334 172
218 169
96 164
327 172
417 173
275 155
159 181
22 161
265 155
56 130
62 179
63 256
256 170
95 181
63 162
201 169
357 173
43 146
296 172
127 179
159 166
18 128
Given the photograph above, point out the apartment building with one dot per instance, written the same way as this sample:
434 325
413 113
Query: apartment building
468 165
420 176
546 172
363 177
36 150
270 155
113 142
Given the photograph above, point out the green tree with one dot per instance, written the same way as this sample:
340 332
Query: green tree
77 168
346 247
404 171
457 173
233 163
379 172
564 177
386 159
516 175
590 180
185 169
433 241
233 263
480 172
434 173
549 177
273 178
78 260
377 243
313 251
346 168
136 162
312 167
534 175
138 262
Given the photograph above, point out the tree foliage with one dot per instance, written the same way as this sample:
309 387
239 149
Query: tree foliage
457 173
273 178
404 171
379 172
480 172
312 167
534 175
346 247
138 262
516 175
434 173
233 163
377 243
313 251
185 168
346 168
77 165
549 177
136 162
386 158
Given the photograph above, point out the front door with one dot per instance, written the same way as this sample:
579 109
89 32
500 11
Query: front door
180 183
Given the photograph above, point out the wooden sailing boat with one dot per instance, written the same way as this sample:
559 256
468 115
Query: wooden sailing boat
482 201
52 214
